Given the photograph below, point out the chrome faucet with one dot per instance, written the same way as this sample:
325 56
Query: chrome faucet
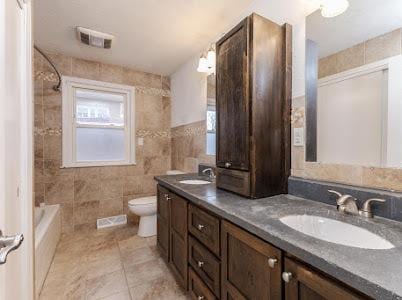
347 204
211 173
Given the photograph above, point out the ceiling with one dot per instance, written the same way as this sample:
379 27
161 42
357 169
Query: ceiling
364 19
155 36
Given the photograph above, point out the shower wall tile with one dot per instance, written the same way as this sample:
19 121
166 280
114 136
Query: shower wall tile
86 194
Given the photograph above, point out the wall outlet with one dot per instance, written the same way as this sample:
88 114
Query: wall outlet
140 141
298 137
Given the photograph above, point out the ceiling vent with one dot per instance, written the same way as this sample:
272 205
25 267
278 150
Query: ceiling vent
94 38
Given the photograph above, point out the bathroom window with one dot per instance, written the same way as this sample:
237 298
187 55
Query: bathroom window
98 123
211 130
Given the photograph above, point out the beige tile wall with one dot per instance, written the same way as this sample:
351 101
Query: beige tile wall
378 48
189 147
86 194
384 178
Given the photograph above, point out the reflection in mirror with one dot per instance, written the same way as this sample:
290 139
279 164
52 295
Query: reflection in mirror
211 115
353 95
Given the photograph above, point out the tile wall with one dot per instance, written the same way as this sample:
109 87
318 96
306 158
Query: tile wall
86 194
378 48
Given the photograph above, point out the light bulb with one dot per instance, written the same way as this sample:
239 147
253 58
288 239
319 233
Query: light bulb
211 58
333 8
202 65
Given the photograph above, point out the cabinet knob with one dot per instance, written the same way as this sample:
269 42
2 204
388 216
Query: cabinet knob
200 298
167 197
287 276
200 227
200 264
272 262
228 164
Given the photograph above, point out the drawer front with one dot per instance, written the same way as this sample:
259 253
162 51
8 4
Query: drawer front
205 264
197 289
205 228
163 198
234 181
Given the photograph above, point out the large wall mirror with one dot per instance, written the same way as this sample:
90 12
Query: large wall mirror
354 85
211 115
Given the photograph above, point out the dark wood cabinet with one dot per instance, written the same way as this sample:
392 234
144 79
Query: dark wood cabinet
304 283
251 268
178 238
253 99
215 259
163 222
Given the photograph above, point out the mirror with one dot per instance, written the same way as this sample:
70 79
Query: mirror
353 79
211 115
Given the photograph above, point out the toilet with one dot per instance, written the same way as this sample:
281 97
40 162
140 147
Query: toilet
145 208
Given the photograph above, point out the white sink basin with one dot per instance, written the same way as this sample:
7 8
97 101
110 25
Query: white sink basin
334 231
195 181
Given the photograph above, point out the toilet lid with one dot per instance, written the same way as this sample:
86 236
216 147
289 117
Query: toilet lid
143 201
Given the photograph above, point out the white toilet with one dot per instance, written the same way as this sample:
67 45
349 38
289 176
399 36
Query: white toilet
145 208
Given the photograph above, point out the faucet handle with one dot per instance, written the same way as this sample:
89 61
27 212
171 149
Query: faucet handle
367 211
335 192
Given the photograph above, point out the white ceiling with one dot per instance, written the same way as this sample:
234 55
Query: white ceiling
155 36
363 20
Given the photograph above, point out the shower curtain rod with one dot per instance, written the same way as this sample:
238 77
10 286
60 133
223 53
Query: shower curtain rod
56 87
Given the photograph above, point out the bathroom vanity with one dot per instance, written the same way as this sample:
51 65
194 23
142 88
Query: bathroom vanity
224 246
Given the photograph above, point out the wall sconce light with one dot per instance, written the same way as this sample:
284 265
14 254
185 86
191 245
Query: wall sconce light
333 8
207 63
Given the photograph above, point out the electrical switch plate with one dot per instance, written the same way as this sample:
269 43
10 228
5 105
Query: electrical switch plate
298 137
140 141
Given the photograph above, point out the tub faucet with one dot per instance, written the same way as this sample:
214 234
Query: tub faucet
211 174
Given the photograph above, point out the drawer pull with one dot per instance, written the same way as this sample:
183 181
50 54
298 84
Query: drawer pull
228 164
286 276
167 197
200 227
200 297
272 262
200 264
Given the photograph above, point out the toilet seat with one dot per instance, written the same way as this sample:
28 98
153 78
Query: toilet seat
143 201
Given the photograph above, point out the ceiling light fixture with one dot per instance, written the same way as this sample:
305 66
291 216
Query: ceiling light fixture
333 8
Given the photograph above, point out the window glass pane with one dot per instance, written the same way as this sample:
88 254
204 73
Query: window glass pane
211 143
211 120
99 108
100 144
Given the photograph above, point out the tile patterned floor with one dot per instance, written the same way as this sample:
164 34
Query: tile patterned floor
109 264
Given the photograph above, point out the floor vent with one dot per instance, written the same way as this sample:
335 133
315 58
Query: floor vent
111 221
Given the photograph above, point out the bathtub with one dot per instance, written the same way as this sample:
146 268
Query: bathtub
47 235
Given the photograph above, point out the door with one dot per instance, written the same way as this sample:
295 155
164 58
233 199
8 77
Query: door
16 274
163 222
232 101
251 268
303 283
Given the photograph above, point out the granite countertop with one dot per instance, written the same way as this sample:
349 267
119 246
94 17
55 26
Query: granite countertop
377 273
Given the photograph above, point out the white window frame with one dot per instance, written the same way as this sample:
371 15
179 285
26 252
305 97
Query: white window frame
69 84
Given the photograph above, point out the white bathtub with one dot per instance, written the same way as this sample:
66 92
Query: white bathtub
47 235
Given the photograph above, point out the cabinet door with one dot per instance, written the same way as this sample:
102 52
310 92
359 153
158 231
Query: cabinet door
178 238
232 103
251 268
163 221
303 283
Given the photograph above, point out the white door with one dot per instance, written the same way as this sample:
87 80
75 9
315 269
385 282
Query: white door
16 275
